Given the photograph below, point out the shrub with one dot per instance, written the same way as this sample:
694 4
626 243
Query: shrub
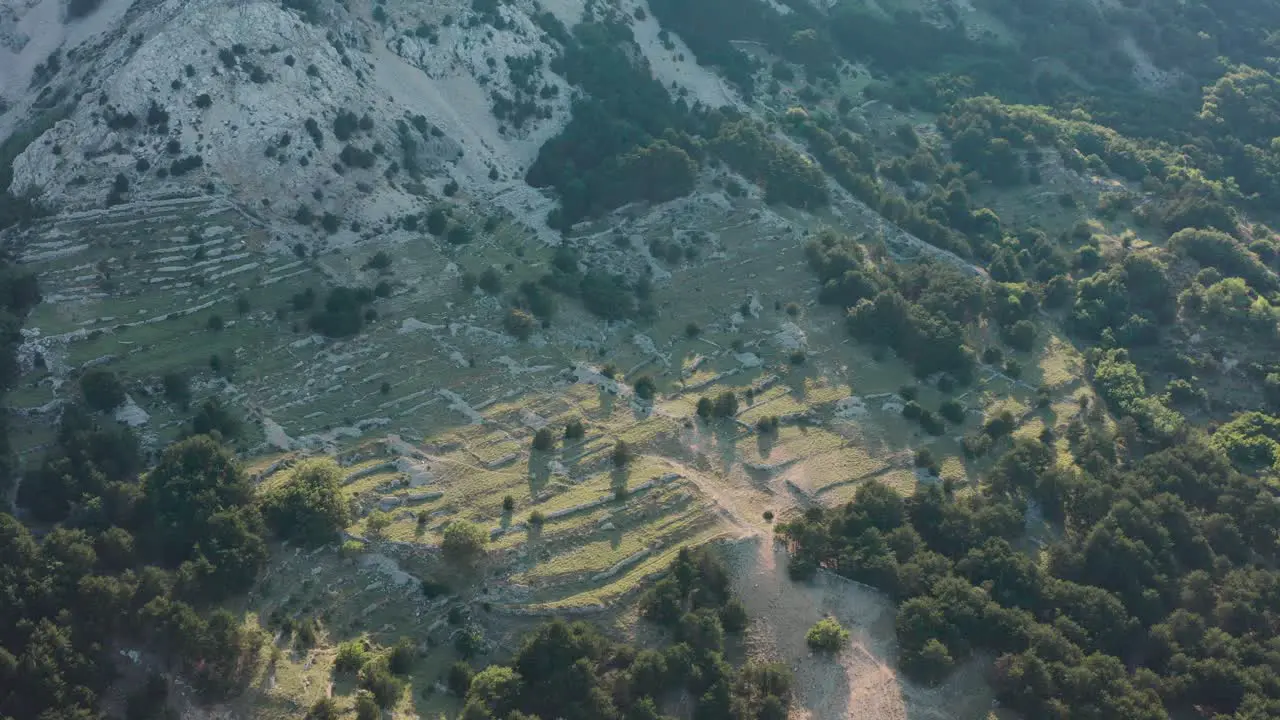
102 390
645 388
1013 368
216 323
519 324
355 157
469 281
1000 425
458 679
367 706
536 519
490 281
463 542
768 516
344 125
1044 397
323 709
377 522
508 504
376 677
1022 336
924 458
952 411
930 664
330 223
214 417
352 655
543 440
574 430
400 660
801 568
459 235
468 642
309 506
181 167
437 222
606 296
705 408
692 330
77 9
726 405
341 316
912 410
495 689
176 389
1181 392
975 445
733 616
621 454
931 423
827 635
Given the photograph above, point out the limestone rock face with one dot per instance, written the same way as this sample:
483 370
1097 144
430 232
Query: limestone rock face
239 99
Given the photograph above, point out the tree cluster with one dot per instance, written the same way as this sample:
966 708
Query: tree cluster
571 671
919 310
1155 600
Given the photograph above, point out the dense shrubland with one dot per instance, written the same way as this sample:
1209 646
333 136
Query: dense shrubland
136 559
1156 600
630 141
571 671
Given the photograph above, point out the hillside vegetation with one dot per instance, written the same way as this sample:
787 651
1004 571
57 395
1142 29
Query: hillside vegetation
347 367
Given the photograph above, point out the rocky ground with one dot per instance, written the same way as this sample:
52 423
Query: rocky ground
179 178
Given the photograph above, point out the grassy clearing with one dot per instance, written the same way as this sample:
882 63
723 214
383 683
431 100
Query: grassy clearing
627 584
595 556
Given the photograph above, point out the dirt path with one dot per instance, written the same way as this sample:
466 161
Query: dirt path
733 494
862 682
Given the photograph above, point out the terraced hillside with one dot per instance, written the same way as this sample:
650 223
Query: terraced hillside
926 319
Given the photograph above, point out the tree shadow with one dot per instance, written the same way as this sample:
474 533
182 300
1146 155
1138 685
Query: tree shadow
606 400
795 381
642 410
618 479
765 442
539 469
533 537
726 436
